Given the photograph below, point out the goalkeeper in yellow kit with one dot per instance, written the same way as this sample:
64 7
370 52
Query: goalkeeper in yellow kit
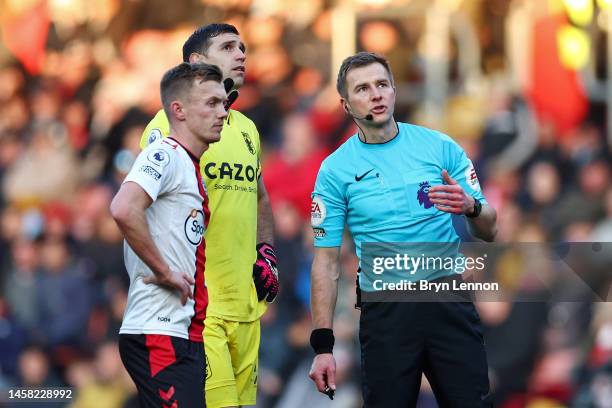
241 273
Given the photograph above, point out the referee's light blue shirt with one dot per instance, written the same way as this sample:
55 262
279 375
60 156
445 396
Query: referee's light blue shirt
380 190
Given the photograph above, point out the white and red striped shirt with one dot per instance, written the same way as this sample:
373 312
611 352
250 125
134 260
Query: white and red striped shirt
177 222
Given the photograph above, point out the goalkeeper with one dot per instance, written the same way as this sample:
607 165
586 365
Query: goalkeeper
241 262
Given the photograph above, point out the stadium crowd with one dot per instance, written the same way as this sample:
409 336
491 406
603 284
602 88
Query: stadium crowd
69 131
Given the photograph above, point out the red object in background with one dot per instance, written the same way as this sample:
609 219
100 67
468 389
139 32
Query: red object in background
599 356
325 123
555 90
293 182
515 401
25 35
57 210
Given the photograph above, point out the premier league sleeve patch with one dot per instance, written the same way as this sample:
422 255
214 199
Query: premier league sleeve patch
159 158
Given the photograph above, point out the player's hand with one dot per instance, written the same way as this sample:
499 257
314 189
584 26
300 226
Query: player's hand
265 273
174 280
450 197
323 372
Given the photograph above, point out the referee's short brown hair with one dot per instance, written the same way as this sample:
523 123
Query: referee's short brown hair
361 59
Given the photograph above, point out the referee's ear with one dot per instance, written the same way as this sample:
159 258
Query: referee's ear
344 103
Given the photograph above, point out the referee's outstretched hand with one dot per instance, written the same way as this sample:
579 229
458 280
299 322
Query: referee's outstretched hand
173 280
450 197
323 371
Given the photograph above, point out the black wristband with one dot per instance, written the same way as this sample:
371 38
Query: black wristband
477 209
322 340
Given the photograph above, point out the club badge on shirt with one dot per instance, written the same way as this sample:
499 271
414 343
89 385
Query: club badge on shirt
154 135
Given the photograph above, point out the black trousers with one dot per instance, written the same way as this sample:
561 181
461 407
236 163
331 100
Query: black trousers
168 371
401 341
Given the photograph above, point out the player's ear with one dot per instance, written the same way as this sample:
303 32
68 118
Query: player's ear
176 107
194 57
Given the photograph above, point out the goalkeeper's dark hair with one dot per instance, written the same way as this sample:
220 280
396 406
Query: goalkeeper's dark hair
199 40
177 81
361 59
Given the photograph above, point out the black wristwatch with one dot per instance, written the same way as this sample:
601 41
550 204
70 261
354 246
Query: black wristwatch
477 209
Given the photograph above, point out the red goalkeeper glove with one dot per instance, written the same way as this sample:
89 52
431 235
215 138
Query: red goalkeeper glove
265 273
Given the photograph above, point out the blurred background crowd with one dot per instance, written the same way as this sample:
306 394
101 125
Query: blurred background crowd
522 85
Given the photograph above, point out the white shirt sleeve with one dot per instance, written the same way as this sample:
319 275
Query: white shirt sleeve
153 170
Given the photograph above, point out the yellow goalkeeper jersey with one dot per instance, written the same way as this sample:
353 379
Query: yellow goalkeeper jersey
231 169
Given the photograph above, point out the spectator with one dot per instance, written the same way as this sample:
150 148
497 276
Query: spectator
110 385
63 301
20 288
292 170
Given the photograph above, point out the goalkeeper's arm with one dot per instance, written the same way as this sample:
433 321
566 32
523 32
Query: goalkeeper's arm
265 269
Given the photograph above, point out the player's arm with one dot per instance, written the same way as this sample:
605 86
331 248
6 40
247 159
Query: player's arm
265 219
325 273
265 269
128 208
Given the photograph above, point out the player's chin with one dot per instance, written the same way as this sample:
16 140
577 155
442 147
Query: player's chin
238 79
214 138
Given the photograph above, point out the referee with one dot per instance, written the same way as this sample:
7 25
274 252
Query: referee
396 182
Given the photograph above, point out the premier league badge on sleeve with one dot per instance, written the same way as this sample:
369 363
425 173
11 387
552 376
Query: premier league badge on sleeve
159 158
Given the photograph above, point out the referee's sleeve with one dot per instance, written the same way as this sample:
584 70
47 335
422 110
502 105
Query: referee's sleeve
328 210
464 173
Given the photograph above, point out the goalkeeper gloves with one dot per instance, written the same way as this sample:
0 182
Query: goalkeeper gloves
232 94
265 273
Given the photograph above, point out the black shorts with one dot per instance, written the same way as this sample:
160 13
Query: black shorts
401 341
168 371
